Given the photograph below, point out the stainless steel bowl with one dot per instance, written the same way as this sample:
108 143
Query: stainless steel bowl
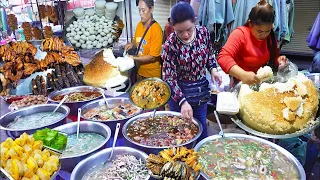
315 77
150 79
112 102
154 149
15 133
290 157
99 158
74 105
68 163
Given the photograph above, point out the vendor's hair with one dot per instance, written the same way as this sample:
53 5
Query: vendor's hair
181 12
150 3
263 13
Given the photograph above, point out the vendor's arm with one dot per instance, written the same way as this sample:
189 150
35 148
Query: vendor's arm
211 63
169 73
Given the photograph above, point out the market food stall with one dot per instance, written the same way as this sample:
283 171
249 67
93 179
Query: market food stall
36 143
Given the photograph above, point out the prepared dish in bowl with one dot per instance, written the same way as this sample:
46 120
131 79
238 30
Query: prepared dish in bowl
149 94
78 96
118 112
233 158
166 130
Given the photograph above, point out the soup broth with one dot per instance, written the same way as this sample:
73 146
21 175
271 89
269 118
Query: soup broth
85 143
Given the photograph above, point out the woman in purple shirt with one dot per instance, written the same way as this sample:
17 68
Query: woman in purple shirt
187 54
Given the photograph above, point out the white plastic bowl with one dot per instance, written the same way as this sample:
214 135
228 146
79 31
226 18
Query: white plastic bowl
111 6
99 11
78 12
100 4
110 16
90 12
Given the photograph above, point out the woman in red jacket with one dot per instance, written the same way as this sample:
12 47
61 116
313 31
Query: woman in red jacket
251 46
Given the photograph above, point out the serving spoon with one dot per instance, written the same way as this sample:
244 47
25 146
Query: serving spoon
114 142
221 133
78 125
105 99
61 102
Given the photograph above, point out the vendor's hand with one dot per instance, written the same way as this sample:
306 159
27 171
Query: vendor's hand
128 46
249 77
216 78
130 56
186 110
282 60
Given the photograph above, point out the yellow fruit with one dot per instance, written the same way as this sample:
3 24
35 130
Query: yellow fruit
34 177
32 164
37 145
38 159
18 149
43 174
14 170
27 148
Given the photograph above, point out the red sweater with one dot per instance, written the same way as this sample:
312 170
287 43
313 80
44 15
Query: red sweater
244 50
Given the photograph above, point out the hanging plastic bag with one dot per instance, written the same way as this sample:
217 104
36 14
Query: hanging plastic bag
286 72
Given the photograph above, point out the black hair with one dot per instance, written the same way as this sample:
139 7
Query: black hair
263 13
150 3
181 12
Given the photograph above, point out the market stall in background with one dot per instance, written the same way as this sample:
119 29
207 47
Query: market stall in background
65 86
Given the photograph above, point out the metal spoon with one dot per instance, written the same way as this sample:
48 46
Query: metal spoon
78 126
61 102
105 99
221 133
154 113
114 142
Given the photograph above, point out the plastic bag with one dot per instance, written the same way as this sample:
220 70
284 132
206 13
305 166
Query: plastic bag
288 71
296 147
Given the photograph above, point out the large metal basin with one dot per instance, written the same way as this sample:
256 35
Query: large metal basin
154 149
74 105
15 133
68 163
291 158
112 102
99 158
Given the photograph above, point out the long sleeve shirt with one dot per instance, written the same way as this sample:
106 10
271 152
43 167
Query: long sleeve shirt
186 62
244 50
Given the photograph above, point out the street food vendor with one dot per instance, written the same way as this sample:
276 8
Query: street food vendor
251 46
187 55
148 46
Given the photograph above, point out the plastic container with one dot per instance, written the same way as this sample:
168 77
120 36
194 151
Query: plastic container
111 7
100 5
227 103
79 11
90 12
99 11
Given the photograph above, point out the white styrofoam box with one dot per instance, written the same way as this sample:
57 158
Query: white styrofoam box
227 103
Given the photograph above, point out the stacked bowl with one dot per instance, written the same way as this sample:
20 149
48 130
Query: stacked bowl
100 7
79 13
111 9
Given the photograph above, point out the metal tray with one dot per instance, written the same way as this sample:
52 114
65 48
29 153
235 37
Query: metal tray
159 113
5 175
237 120
291 158
150 79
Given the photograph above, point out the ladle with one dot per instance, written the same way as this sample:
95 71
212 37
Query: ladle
221 133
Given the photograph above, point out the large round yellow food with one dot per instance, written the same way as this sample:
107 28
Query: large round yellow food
279 108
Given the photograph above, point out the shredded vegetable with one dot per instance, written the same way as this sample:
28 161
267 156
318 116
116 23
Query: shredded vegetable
124 167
